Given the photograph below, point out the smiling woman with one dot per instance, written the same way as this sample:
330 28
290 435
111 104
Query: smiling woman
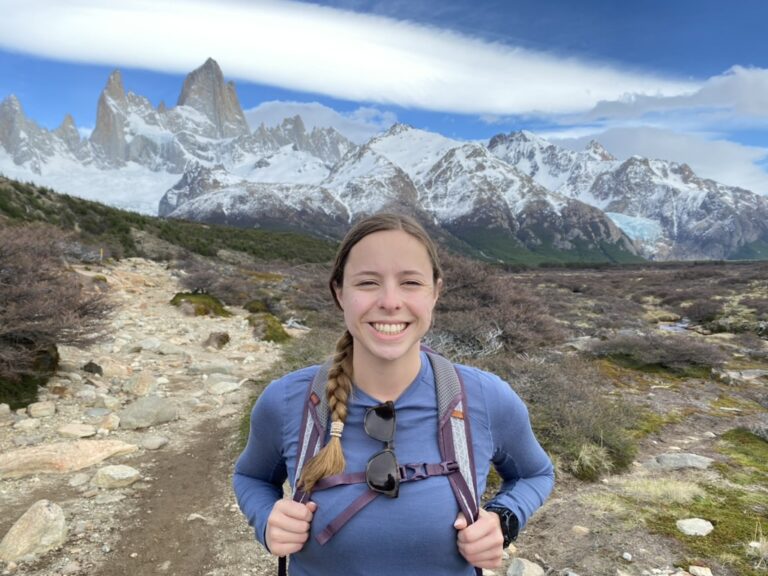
381 386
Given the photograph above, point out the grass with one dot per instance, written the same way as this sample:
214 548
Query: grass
204 304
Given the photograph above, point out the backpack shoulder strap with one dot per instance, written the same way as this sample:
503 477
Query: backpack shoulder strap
454 434
314 423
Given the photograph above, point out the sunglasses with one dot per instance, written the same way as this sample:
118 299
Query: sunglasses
382 472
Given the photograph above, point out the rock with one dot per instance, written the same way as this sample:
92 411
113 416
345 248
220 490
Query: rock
59 457
109 422
694 526
79 480
27 424
95 415
699 571
580 530
5 412
117 476
141 384
154 442
523 567
627 556
77 430
148 411
221 388
40 529
92 368
71 567
673 461
108 402
41 409
216 340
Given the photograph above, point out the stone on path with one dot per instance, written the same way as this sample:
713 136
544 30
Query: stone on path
40 529
59 457
523 567
699 571
147 411
116 476
153 442
41 409
77 430
695 526
678 461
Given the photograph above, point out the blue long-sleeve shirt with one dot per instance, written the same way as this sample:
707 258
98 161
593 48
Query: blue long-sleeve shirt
412 534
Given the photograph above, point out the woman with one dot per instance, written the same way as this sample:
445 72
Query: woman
386 279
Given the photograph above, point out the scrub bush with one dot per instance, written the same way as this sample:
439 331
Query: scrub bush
42 304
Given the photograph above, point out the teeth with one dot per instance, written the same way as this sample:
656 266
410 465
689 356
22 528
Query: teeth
389 328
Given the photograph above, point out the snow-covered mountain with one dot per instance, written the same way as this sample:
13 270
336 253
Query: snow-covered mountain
520 193
669 211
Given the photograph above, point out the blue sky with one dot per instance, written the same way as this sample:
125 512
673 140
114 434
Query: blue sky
682 80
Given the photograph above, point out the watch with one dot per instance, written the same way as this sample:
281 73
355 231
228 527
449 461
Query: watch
510 525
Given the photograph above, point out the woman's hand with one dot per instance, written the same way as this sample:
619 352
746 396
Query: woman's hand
288 526
481 543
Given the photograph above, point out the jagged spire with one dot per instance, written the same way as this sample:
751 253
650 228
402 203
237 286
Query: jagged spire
205 91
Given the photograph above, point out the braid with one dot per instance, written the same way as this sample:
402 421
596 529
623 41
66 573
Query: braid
330 460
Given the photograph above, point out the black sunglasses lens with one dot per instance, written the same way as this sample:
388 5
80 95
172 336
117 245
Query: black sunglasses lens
380 422
382 473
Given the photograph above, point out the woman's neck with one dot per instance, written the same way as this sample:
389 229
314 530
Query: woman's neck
385 379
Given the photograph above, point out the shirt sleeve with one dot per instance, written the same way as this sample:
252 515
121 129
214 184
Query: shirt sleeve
260 471
525 468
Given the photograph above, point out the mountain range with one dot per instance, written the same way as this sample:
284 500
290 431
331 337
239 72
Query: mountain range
517 197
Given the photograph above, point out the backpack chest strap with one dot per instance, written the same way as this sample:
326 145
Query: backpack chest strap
408 473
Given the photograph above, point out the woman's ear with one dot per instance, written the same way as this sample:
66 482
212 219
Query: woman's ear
438 288
337 294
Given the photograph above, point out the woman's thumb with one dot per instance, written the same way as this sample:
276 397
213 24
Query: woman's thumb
461 522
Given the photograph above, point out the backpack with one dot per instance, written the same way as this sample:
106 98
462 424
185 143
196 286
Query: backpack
454 439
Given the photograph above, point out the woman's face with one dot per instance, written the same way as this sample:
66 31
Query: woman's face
387 296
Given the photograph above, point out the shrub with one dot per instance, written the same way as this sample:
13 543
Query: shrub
482 311
572 413
204 304
678 354
42 304
267 327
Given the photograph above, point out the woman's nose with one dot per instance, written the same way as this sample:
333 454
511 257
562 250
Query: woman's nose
390 297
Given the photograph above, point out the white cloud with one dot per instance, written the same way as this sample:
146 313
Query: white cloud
726 162
738 94
359 125
304 47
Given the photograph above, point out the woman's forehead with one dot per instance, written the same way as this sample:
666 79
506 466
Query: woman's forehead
388 248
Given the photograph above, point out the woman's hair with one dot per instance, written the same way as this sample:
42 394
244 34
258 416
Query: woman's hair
330 460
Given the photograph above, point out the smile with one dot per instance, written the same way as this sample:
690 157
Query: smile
390 329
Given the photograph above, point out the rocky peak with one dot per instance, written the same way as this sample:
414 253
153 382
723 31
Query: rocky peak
11 106
114 88
67 131
598 151
205 91
396 129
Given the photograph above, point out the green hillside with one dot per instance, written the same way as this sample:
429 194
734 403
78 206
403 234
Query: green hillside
116 230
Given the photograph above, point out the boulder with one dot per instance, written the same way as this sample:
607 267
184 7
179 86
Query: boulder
523 567
146 412
678 461
118 476
40 529
695 526
59 457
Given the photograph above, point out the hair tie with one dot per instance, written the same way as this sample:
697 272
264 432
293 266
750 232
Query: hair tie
337 426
